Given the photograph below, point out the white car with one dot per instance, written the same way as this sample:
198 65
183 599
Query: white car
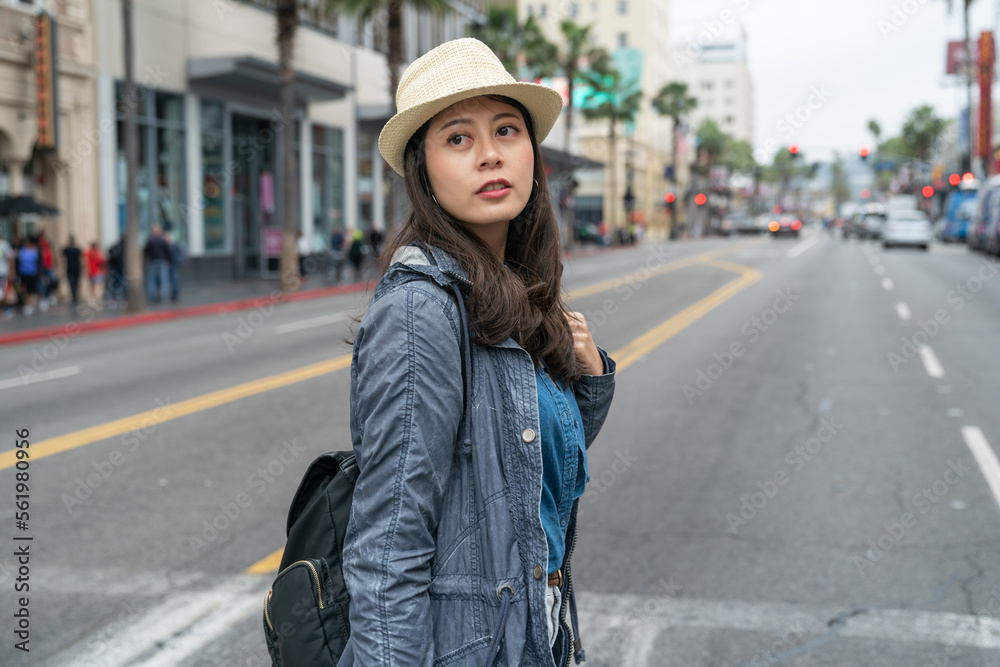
910 228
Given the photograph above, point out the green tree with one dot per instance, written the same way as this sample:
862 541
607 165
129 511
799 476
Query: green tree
840 187
577 47
616 102
673 101
922 130
541 57
876 130
500 33
130 244
739 157
712 144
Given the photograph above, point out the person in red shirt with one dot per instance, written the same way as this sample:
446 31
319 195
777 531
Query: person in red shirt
97 266
46 278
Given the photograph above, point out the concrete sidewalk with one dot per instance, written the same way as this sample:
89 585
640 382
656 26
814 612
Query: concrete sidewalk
220 297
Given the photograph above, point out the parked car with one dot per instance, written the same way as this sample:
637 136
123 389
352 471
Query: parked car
907 228
985 213
866 222
785 225
959 208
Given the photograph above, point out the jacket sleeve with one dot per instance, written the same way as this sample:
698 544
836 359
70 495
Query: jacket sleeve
405 417
593 396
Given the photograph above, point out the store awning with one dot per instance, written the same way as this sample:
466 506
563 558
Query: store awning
251 75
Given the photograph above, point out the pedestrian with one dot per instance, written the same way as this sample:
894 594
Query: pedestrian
47 281
157 253
464 543
97 267
375 239
117 292
178 257
302 246
356 253
29 267
336 254
71 259
8 294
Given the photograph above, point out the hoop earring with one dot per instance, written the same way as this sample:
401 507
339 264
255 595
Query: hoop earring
435 199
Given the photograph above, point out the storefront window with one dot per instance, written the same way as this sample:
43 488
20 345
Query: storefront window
212 177
327 181
161 169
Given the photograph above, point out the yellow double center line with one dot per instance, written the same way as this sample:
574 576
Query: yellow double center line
624 357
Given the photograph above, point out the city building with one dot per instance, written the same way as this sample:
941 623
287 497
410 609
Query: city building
718 77
211 129
633 32
47 144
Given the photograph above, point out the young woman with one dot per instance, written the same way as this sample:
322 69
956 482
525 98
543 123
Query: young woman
458 552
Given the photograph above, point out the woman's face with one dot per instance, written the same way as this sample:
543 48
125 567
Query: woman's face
480 162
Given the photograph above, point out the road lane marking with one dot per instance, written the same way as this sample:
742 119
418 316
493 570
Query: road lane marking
32 378
887 284
118 427
644 274
931 363
310 323
800 248
903 311
657 336
267 564
156 629
985 457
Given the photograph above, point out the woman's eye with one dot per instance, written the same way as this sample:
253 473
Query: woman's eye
457 139
507 131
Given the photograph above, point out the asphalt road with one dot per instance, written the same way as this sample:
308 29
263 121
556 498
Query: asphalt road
796 469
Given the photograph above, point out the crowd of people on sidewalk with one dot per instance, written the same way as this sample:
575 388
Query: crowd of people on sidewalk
30 272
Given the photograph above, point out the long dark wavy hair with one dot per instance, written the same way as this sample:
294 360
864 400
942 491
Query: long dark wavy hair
525 302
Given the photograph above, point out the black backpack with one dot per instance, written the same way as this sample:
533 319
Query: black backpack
306 612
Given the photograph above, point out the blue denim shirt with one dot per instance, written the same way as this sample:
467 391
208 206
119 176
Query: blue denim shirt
439 534
564 461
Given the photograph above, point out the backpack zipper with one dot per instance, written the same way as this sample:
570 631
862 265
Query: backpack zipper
319 589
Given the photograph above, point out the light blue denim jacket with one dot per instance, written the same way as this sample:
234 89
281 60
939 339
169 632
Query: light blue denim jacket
437 531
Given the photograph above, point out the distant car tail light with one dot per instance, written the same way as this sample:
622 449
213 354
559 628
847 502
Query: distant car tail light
774 226
796 225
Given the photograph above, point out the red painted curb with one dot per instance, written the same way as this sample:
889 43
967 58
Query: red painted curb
73 329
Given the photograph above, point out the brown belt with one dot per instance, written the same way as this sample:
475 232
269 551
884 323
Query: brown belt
556 578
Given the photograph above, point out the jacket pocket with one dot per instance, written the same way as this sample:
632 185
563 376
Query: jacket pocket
302 624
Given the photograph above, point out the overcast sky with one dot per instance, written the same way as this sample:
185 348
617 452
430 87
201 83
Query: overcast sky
853 51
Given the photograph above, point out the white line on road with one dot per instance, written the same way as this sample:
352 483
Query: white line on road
985 457
903 311
311 323
887 284
931 363
797 250
188 643
33 377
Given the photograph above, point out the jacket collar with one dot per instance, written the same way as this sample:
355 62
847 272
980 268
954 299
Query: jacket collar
441 268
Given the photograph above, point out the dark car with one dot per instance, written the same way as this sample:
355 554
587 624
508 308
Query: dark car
785 225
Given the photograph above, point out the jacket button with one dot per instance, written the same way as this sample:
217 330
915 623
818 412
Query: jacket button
537 572
527 435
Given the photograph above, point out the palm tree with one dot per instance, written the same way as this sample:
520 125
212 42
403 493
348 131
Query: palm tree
133 257
876 131
922 130
673 101
616 103
501 34
577 39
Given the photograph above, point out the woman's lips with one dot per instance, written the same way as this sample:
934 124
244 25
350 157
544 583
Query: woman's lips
494 194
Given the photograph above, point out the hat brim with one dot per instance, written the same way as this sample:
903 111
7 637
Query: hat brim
543 103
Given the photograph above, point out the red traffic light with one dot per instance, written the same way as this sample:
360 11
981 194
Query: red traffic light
794 149
954 179
968 177
864 151
669 197
928 191
700 199
866 193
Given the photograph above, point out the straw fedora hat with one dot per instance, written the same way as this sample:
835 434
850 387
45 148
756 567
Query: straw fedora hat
455 71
